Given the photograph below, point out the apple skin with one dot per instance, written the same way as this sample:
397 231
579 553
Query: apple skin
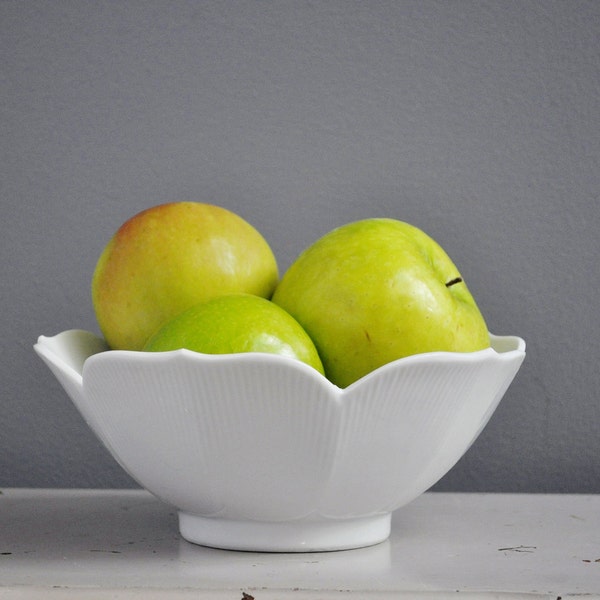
377 290
169 257
233 324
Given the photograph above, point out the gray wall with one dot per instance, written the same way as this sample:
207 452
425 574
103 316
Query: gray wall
478 121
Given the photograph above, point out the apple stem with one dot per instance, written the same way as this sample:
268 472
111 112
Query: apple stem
453 281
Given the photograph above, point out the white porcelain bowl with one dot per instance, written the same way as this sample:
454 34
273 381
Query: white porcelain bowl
261 452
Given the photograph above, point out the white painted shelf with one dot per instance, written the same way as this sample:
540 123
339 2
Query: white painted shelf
120 544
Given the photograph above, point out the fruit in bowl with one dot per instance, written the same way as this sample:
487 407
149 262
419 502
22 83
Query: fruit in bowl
254 443
234 324
169 257
376 290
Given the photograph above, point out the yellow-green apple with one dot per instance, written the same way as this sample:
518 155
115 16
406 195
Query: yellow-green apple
235 324
170 257
376 290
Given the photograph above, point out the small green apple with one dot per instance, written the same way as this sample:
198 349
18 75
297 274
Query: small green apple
170 257
234 324
376 290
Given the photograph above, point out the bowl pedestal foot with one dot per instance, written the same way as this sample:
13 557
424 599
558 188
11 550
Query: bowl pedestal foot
302 535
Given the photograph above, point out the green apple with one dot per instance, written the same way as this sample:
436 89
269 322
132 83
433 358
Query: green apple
170 257
376 290
234 324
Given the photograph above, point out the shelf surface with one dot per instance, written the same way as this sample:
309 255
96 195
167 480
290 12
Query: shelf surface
123 544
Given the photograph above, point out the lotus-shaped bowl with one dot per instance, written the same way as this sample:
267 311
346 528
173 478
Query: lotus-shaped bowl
261 452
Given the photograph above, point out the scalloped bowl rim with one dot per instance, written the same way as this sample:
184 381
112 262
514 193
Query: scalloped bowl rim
500 346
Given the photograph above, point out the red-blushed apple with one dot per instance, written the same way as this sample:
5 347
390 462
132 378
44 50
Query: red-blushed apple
170 257
376 290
